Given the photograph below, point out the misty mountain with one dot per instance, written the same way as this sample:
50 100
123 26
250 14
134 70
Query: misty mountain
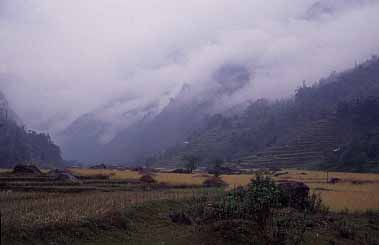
92 131
19 145
133 129
328 124
332 124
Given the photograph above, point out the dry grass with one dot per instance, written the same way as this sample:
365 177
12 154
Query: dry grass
237 180
170 178
354 191
27 210
10 170
185 179
114 174
358 196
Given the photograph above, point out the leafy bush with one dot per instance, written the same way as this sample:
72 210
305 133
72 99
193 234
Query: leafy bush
255 213
257 207
262 196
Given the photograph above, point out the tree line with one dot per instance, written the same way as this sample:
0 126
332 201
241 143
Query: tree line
21 146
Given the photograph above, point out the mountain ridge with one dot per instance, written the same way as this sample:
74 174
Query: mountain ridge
177 115
286 133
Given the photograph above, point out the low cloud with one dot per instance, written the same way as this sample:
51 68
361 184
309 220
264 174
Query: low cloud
62 59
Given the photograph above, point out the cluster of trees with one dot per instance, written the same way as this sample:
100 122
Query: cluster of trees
21 146
359 129
215 166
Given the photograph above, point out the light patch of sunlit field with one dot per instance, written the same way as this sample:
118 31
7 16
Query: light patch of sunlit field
8 170
5 170
113 173
353 191
185 179
348 196
237 180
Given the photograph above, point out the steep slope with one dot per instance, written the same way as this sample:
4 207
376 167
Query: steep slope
17 145
321 126
142 128
307 146
186 113
92 131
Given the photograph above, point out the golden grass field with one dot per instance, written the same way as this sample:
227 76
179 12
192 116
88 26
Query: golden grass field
354 191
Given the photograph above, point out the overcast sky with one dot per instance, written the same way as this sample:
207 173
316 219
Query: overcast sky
65 58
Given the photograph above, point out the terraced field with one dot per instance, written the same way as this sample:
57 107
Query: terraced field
309 143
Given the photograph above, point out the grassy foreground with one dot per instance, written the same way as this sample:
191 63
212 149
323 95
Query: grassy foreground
352 191
120 210
149 223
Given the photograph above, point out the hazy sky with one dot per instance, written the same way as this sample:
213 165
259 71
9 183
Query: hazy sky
60 59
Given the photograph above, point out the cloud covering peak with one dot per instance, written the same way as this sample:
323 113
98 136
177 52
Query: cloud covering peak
60 59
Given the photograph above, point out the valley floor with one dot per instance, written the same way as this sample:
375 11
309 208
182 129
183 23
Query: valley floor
352 191
118 210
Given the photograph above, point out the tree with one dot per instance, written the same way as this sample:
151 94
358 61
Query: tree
191 162
217 166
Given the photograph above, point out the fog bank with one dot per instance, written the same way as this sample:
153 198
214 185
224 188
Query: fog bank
59 60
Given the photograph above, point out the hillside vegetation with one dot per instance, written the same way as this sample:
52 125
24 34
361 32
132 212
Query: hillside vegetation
331 124
19 145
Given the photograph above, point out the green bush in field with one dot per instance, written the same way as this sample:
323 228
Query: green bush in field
262 196
254 203
254 209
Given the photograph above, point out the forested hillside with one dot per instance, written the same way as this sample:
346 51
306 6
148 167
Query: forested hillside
19 145
331 124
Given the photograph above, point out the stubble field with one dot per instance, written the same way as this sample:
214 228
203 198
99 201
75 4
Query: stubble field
31 205
351 191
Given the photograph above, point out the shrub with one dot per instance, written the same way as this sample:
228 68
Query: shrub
294 194
147 179
214 182
261 198
255 212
